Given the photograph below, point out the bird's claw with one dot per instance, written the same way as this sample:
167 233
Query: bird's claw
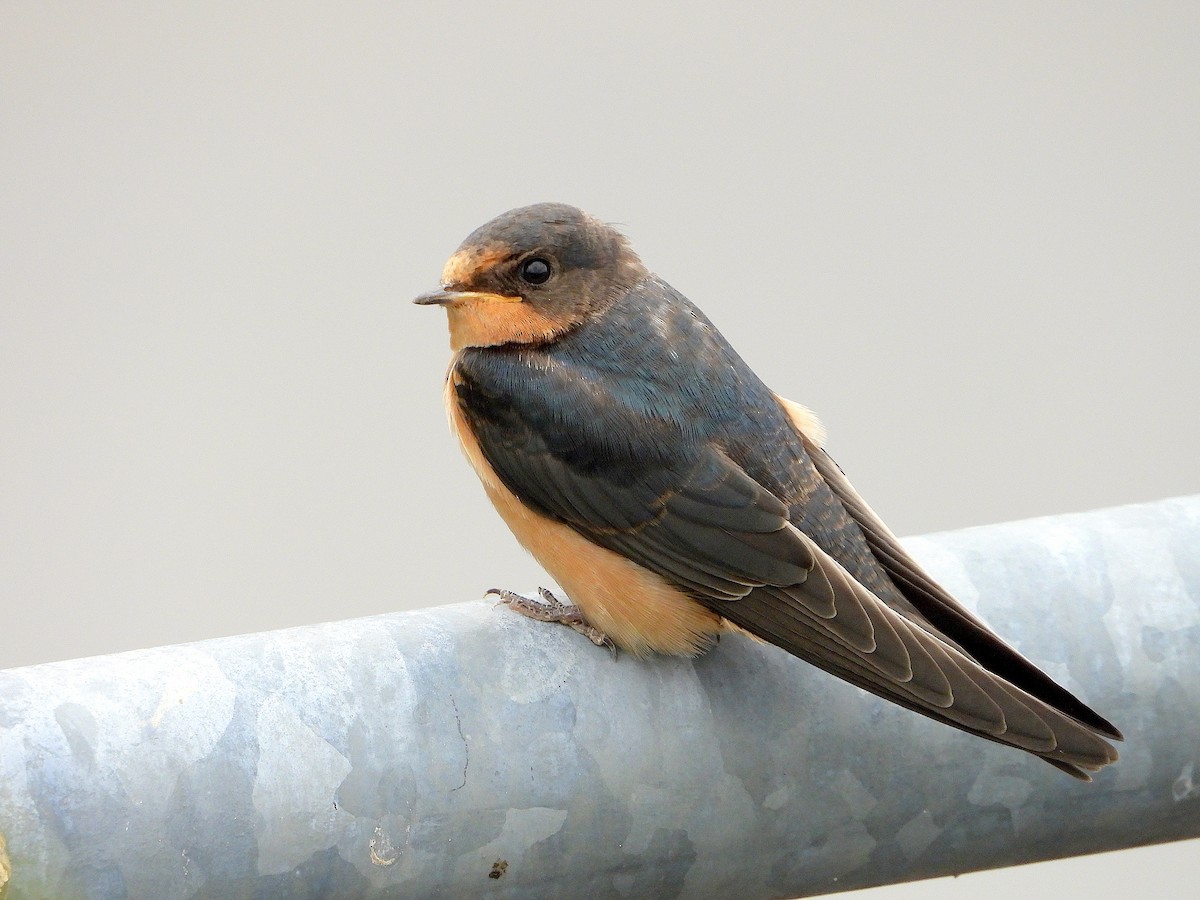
551 609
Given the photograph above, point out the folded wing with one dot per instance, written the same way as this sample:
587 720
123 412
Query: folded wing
694 516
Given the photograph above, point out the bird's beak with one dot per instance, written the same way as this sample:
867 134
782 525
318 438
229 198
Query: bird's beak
453 298
437 298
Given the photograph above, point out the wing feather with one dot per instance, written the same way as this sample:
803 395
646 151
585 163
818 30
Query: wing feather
686 510
945 614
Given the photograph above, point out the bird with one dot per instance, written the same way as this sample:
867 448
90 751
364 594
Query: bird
673 496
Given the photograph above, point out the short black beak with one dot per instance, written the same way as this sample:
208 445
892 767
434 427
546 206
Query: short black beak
435 298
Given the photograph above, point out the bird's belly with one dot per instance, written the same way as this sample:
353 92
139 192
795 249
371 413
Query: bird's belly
638 609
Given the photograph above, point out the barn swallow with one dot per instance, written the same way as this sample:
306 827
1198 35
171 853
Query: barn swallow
674 496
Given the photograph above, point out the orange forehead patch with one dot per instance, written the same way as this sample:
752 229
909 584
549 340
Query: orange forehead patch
465 265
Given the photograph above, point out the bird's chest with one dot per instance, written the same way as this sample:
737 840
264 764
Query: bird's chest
636 608
461 429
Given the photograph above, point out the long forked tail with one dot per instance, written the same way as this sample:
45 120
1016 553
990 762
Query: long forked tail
835 623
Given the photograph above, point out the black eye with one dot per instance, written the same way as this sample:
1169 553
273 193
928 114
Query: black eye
535 271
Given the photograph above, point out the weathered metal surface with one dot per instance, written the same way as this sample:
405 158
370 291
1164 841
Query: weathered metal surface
466 751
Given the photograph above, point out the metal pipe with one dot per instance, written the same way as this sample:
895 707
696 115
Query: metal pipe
464 750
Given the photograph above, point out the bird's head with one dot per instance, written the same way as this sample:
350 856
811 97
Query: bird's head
531 275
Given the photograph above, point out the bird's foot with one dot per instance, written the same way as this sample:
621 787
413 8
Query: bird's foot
551 609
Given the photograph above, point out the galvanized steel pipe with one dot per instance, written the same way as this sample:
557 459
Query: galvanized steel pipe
466 751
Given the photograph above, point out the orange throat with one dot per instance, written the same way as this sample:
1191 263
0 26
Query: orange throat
489 323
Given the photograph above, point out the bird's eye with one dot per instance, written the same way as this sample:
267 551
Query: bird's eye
535 271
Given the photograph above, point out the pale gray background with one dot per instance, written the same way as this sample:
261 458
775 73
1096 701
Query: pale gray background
967 234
